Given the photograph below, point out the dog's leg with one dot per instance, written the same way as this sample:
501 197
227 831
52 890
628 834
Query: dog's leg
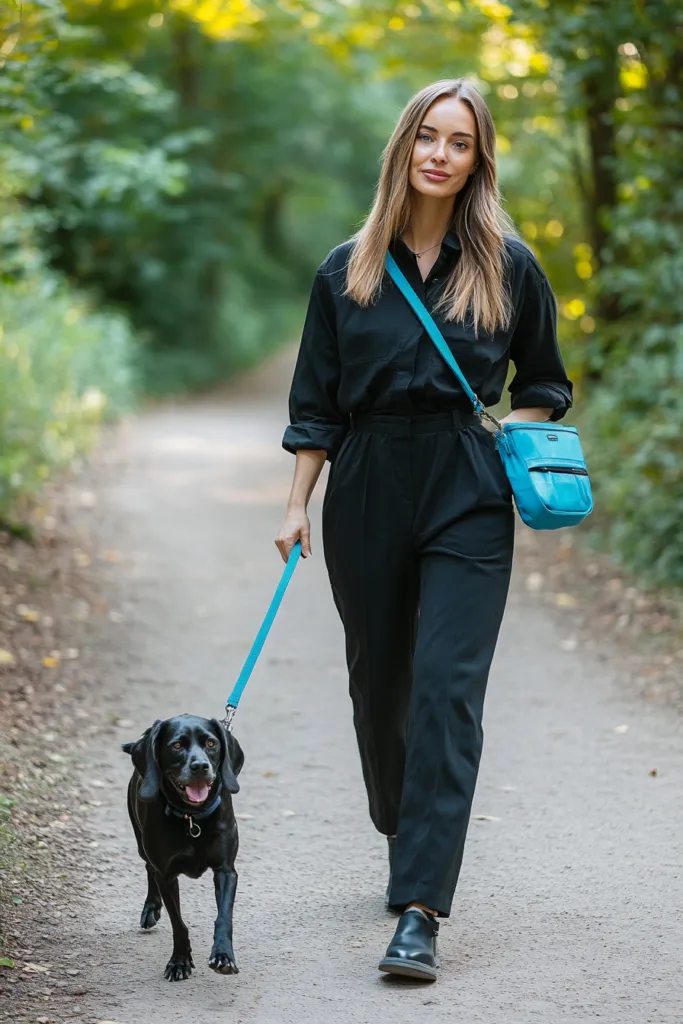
179 967
222 957
151 912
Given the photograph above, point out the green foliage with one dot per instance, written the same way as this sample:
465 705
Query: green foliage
63 368
185 184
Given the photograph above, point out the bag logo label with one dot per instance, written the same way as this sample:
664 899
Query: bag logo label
552 437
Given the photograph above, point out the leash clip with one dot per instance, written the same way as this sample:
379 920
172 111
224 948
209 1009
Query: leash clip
193 828
229 717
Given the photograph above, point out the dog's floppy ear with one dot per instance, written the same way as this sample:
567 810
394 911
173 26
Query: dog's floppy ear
232 757
144 755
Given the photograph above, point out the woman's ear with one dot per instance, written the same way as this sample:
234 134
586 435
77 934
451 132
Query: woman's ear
144 753
232 757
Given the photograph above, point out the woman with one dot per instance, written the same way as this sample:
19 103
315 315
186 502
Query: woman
418 519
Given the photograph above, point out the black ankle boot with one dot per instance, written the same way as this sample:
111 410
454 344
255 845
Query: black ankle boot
391 842
412 951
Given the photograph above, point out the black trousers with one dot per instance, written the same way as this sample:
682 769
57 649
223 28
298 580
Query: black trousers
418 535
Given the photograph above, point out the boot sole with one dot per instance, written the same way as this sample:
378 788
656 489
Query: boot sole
407 969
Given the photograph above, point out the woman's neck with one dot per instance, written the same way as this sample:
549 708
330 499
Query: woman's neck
429 221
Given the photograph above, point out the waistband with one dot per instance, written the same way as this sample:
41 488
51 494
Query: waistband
406 426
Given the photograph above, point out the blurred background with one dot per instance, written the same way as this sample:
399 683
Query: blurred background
172 173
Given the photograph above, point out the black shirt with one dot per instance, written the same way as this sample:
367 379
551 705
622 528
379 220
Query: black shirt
380 359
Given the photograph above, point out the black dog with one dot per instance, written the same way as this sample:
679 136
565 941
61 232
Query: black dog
179 801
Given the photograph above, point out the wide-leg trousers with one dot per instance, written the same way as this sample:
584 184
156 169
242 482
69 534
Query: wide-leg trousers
418 535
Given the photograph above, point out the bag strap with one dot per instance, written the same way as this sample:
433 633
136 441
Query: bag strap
423 314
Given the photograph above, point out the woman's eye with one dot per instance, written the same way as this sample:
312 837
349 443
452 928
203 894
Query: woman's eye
425 138
463 144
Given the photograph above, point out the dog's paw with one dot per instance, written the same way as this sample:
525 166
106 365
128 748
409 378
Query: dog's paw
223 963
179 968
151 912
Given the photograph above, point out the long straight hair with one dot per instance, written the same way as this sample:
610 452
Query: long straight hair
476 288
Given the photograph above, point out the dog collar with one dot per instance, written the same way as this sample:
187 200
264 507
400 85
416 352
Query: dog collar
192 819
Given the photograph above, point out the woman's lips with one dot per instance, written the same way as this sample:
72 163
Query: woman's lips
436 176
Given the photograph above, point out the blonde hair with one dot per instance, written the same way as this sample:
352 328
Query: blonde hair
477 284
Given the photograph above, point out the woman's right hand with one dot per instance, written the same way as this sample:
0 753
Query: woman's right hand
296 527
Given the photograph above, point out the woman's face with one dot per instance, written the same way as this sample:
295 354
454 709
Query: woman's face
445 151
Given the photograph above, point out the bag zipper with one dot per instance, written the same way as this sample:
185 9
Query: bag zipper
558 469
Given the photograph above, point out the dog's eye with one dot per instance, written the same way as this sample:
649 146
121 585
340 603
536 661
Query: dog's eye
211 743
177 746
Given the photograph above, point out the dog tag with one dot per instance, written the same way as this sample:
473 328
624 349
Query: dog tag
195 830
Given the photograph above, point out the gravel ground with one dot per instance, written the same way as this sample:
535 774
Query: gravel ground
569 903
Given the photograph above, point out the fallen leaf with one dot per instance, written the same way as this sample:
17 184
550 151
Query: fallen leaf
534 582
565 601
111 556
6 657
270 774
653 772
484 817
36 969
81 558
288 814
244 817
50 662
570 644
97 784
6 962
28 614
621 729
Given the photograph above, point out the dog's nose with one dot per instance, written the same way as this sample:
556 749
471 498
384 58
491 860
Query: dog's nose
199 767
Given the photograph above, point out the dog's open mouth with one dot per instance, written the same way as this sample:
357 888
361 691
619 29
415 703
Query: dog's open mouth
195 792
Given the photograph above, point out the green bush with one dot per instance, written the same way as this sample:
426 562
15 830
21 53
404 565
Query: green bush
63 368
634 445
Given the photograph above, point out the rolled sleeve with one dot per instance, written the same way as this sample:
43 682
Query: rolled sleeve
540 379
315 422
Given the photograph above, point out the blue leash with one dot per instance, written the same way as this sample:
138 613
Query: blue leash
257 646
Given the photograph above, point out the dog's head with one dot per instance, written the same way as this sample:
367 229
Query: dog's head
189 758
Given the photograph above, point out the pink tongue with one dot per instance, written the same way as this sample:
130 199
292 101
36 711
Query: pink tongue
197 792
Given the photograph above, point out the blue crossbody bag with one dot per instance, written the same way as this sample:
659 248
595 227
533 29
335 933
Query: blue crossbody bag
543 461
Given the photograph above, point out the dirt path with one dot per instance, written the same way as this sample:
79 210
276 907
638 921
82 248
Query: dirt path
569 906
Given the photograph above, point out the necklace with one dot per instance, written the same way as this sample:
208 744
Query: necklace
418 254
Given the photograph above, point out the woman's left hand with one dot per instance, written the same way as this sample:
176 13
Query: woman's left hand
528 416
